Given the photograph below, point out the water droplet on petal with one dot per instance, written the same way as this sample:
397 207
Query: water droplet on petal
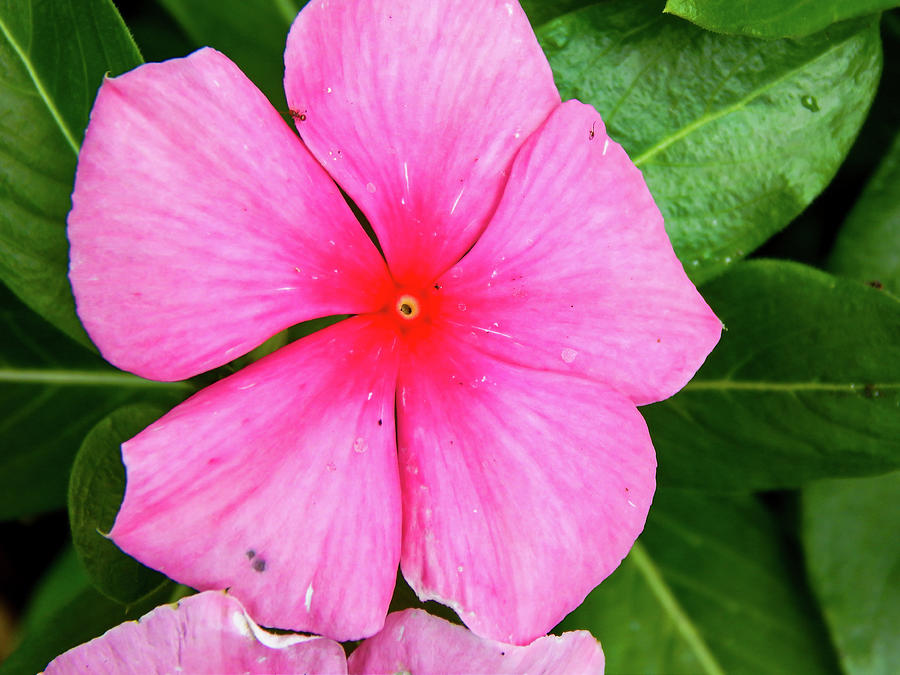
461 307
360 445
568 354
370 187
330 466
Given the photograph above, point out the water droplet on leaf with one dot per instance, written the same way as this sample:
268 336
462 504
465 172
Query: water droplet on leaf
810 103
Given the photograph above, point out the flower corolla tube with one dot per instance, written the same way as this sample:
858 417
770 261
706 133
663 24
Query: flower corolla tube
212 633
475 419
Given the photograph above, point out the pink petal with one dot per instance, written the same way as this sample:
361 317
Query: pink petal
413 641
202 226
417 108
280 483
575 272
522 489
204 633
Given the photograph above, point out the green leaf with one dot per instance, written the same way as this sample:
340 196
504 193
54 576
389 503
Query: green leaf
850 531
53 56
773 18
735 136
542 11
804 384
252 34
65 612
708 589
52 391
868 246
96 489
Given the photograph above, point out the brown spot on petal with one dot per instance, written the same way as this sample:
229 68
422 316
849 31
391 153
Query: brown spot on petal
259 565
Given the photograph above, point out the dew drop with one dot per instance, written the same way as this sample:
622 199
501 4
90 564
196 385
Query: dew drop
360 445
370 187
461 307
330 466
809 102
456 272
568 354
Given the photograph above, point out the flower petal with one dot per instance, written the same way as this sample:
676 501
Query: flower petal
576 273
204 633
280 483
413 641
201 224
416 109
522 489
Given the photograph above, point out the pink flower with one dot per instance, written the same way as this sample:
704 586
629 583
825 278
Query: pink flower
527 301
212 633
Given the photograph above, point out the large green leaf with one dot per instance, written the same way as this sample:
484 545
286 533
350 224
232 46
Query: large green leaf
53 56
96 489
773 18
52 391
65 611
850 529
804 384
735 136
868 246
708 589
252 34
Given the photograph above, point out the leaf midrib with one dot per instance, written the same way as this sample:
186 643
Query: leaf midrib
672 607
787 387
81 378
39 86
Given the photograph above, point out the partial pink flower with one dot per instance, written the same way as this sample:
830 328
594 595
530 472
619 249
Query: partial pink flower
212 633
413 641
205 633
475 420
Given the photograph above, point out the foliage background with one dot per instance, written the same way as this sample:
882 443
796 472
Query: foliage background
766 130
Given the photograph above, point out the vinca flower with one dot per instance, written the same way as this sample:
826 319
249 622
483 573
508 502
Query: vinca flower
212 633
474 421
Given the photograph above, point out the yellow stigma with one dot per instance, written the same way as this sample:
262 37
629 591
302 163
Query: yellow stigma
407 307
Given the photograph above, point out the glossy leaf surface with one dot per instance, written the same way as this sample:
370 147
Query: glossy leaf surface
804 384
734 135
53 56
772 18
850 531
868 245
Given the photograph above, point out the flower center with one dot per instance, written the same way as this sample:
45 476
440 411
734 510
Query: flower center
408 307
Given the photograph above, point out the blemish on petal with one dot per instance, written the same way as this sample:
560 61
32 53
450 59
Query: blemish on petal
360 445
568 354
250 554
259 565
